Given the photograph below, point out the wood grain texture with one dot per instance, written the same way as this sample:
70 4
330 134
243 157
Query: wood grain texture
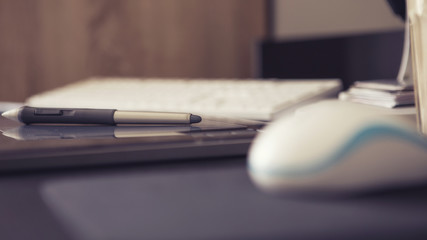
48 43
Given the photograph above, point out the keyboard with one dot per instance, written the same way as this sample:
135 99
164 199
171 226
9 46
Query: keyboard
257 99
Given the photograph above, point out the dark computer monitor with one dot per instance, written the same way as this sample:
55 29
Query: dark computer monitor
351 58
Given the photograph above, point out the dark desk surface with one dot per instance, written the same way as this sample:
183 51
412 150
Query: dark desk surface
197 199
212 199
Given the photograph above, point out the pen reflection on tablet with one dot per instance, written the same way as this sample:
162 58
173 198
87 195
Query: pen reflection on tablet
39 132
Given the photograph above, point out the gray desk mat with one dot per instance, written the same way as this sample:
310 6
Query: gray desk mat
218 201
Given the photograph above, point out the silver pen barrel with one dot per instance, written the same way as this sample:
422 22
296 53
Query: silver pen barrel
132 117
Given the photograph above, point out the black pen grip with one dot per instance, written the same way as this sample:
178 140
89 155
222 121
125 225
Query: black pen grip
30 115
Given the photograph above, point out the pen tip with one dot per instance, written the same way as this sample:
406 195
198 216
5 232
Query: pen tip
11 114
195 119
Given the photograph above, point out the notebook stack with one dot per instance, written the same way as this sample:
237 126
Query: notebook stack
383 93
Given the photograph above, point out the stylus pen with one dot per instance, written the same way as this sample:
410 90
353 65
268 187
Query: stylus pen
30 115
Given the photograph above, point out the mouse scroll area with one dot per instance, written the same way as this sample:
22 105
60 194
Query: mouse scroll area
361 152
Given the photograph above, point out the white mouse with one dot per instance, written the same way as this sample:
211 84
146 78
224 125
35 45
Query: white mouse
338 147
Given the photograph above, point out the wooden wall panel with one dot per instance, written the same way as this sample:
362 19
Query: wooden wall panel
16 47
48 43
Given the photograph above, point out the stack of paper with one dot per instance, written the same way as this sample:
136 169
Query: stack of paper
384 93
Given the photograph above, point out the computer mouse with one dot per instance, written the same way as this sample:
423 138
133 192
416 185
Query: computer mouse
336 147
